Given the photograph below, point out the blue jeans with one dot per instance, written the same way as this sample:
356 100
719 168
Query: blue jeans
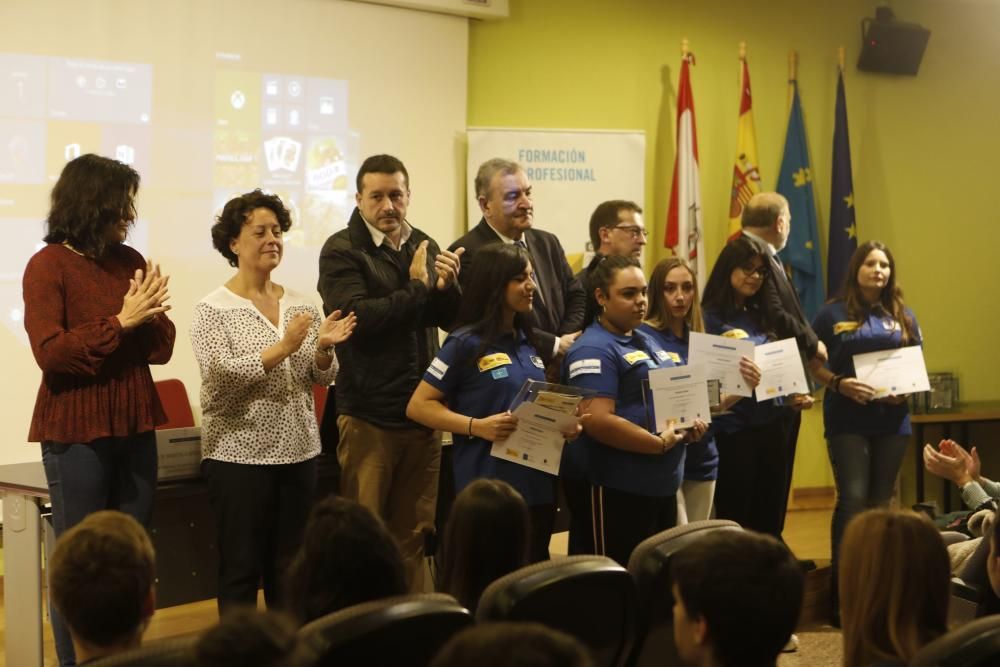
865 469
108 473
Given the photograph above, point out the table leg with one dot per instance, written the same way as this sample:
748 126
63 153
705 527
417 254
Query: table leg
22 592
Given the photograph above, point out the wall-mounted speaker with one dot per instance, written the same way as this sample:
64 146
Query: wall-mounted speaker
891 46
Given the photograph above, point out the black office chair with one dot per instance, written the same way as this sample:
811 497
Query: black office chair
649 566
589 597
177 652
403 631
975 644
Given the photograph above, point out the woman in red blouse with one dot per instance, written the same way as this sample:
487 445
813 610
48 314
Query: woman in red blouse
94 311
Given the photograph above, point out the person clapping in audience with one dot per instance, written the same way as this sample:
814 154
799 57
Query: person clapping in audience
347 557
894 586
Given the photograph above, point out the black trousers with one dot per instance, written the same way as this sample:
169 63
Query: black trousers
260 513
792 421
543 518
581 527
622 520
753 473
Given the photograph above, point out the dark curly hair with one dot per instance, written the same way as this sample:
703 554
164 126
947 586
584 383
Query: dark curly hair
92 195
236 213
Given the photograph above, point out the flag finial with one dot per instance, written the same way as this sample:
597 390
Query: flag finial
841 57
793 65
743 50
685 48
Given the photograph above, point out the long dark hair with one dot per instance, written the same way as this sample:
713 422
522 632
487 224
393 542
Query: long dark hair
891 298
347 557
485 538
483 299
720 297
659 315
601 274
92 195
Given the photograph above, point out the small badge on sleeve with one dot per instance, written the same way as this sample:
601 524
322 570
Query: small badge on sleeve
537 361
491 361
584 367
499 373
437 368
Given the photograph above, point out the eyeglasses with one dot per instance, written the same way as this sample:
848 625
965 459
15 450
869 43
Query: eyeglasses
635 231
756 272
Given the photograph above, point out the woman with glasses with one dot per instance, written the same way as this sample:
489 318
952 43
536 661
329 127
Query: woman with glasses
866 437
751 440
634 468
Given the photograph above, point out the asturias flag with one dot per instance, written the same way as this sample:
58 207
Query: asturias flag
684 232
801 254
843 224
746 177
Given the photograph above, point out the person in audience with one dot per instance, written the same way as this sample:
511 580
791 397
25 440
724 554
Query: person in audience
737 598
752 440
402 287
468 388
246 638
347 557
95 314
894 586
634 467
101 576
674 312
487 536
260 347
866 437
512 645
951 461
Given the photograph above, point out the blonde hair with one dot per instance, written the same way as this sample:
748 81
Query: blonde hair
659 309
894 582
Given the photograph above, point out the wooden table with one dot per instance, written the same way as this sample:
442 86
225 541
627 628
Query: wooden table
955 423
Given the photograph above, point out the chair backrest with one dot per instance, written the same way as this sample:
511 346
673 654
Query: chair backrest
649 566
175 402
589 597
975 644
406 631
177 652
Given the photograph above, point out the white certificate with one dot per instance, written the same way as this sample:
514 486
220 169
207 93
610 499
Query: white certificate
893 372
680 395
781 371
537 442
721 358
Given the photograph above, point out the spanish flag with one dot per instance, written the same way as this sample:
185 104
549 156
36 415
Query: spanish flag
746 177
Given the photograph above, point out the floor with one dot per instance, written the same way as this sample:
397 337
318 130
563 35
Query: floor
807 533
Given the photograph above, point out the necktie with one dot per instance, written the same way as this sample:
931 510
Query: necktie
538 286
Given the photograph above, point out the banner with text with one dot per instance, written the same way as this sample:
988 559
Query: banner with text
571 172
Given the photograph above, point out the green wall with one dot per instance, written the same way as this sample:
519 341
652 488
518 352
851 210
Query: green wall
923 147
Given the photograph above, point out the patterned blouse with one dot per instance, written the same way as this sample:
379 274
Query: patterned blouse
250 415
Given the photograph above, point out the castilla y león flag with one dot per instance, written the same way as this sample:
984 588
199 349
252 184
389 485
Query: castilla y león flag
684 232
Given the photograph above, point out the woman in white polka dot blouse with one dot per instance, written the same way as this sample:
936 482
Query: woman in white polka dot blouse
260 348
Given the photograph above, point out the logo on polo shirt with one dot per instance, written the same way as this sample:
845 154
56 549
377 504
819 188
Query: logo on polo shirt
845 327
638 355
584 367
491 361
735 333
537 361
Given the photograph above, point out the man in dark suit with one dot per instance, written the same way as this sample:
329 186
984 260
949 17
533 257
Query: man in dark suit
504 195
766 218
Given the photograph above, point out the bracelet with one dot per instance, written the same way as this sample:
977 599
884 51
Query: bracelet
325 351
663 444
470 426
835 383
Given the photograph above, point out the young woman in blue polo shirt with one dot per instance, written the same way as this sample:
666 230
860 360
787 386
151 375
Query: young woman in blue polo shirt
751 440
469 386
674 312
866 438
634 470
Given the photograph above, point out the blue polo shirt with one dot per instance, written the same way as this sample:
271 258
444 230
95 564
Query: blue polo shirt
701 459
614 367
747 411
844 337
481 384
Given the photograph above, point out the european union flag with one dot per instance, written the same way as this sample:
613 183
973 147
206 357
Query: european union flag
801 254
843 226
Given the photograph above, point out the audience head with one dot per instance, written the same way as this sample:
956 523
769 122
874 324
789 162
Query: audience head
93 204
767 216
101 577
504 194
737 598
872 268
247 638
616 228
894 585
383 194
347 557
617 288
673 295
512 645
249 230
499 283
736 278
485 538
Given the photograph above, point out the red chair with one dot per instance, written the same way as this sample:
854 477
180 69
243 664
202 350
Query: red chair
175 402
